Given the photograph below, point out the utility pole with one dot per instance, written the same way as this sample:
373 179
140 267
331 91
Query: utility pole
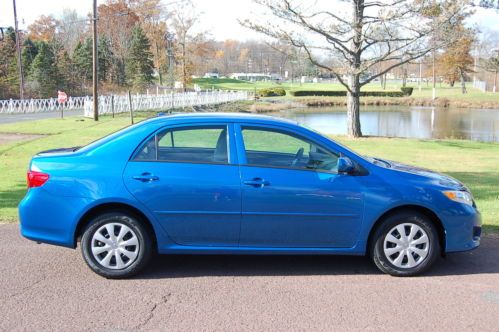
434 90
475 60
170 37
18 48
95 57
495 82
420 73
495 50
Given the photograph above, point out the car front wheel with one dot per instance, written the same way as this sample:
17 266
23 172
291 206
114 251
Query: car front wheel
116 245
405 244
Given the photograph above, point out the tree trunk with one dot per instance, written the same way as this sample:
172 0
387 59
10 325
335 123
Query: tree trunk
184 68
463 84
353 107
158 63
353 93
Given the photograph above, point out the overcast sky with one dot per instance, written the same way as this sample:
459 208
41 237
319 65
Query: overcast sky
219 17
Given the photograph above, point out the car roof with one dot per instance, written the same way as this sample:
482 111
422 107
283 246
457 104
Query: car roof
229 117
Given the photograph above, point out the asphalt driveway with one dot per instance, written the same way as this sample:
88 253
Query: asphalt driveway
49 288
19 117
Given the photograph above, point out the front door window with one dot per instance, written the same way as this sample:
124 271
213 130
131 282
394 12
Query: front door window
275 148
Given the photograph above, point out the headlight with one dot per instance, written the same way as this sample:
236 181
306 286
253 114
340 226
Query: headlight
459 196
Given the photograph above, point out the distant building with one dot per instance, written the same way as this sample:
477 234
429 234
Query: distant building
250 76
211 75
275 77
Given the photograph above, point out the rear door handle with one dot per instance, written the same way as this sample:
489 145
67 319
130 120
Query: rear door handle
257 182
145 177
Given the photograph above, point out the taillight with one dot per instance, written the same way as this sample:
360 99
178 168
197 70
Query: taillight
36 179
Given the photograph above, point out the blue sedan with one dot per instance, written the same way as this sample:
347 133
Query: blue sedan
240 184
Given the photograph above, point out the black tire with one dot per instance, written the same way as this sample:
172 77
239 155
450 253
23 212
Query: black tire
378 242
144 245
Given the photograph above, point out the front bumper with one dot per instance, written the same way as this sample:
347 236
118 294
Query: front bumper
463 229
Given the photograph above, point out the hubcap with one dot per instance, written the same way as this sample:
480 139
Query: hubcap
406 245
115 246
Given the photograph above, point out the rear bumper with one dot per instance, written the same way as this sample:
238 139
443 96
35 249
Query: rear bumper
50 219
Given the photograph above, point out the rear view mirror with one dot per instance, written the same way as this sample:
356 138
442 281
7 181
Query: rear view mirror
345 165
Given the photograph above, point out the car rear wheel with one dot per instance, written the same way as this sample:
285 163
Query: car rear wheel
116 245
405 244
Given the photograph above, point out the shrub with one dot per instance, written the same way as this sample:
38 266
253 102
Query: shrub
332 93
407 91
272 92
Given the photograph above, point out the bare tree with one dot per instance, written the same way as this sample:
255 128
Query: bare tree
184 18
231 56
72 27
403 27
494 4
487 56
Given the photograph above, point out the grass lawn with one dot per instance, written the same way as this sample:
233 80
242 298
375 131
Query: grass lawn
443 91
474 163
232 84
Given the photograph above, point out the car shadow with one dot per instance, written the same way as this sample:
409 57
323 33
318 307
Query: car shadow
482 260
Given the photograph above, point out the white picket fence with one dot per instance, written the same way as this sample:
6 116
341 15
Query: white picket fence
41 105
120 103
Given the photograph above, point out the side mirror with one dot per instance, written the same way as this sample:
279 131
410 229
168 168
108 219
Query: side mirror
345 165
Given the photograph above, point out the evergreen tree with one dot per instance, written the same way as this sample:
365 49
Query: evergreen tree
44 72
68 75
118 73
29 52
106 59
139 64
82 59
9 75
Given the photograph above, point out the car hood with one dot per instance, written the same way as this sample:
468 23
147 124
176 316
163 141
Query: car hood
435 177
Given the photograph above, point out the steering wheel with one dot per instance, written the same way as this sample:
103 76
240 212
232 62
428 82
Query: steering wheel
298 156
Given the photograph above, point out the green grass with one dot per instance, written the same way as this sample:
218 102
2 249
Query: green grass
232 84
443 90
14 157
474 163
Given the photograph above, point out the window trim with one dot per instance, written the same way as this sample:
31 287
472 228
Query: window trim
241 126
220 125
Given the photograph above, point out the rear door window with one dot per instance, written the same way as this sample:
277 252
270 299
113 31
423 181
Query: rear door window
196 144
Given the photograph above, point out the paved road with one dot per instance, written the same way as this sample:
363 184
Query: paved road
12 118
49 288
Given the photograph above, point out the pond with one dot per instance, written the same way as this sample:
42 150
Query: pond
405 121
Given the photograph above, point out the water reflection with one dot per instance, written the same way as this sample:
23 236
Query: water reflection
405 121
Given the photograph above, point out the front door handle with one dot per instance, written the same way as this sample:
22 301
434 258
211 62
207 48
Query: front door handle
257 182
145 177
